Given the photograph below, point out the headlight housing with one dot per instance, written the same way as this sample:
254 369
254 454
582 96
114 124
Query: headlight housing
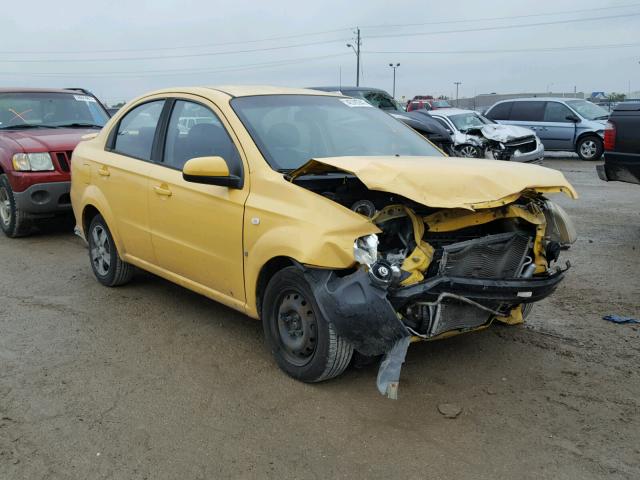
32 162
365 249
560 227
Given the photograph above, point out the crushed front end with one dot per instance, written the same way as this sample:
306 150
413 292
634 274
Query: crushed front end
432 274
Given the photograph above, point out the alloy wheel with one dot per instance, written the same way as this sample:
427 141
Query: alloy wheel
588 148
100 250
297 328
5 207
468 151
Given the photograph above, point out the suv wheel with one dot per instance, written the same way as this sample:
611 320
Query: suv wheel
13 221
303 342
590 148
107 266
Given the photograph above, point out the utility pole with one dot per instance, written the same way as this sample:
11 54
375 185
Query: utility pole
394 77
457 86
356 50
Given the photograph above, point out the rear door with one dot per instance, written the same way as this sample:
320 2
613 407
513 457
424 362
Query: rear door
196 229
529 114
121 176
557 131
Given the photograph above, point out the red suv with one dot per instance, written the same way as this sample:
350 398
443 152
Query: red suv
39 128
426 102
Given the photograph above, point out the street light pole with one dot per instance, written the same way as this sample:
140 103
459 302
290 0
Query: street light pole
394 77
457 85
356 50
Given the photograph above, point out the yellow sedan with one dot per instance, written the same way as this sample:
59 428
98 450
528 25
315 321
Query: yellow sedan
339 227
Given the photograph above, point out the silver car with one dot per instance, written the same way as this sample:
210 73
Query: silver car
572 125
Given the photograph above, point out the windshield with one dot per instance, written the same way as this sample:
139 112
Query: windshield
46 109
290 130
465 121
380 100
588 110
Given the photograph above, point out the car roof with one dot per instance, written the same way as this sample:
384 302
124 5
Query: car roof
345 87
243 90
36 90
540 99
447 112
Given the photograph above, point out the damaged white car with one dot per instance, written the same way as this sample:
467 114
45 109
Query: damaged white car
475 136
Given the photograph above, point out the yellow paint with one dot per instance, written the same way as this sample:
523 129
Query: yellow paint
215 240
514 317
206 167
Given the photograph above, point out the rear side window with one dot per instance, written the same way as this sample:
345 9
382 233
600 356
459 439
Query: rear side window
137 130
527 111
502 111
195 131
556 112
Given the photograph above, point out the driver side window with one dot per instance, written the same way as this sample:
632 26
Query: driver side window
195 131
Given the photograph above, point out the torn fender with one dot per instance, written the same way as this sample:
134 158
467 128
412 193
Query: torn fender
358 309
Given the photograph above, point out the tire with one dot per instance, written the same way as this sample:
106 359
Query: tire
107 266
304 344
590 148
468 151
13 221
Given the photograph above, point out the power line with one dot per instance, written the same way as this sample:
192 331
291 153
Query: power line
166 57
517 50
181 71
202 45
510 17
504 27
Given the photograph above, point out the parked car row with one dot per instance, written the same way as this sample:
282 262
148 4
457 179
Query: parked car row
339 227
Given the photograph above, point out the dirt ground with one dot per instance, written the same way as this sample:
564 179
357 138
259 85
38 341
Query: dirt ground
151 381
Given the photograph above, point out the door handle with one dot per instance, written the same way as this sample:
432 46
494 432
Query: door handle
103 171
162 190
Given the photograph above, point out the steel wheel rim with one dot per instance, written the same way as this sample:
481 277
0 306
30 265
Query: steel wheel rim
5 207
468 152
296 327
588 148
100 250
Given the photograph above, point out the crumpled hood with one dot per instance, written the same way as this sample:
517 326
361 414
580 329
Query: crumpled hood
441 182
47 140
505 133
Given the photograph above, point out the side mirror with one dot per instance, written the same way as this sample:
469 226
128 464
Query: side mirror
573 118
210 171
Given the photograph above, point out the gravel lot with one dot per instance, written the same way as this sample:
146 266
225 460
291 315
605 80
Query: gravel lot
153 381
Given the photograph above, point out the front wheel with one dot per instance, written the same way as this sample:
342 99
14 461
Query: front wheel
305 345
13 221
468 151
107 266
590 148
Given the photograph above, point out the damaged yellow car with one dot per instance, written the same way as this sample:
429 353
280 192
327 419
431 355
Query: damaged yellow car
339 227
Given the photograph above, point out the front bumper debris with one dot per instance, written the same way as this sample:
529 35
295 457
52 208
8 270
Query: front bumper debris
366 312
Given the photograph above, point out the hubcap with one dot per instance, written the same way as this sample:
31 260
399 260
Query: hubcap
588 149
297 328
100 250
5 207
468 152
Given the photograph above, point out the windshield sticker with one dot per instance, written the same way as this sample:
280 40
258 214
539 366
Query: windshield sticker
355 102
84 98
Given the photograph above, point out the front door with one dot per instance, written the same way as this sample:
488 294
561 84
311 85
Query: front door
559 131
196 229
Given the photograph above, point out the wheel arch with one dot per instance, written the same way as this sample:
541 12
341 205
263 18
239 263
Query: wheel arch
590 133
268 270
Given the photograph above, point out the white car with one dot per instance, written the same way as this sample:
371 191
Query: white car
478 137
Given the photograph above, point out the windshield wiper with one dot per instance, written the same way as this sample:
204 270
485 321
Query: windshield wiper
26 125
79 125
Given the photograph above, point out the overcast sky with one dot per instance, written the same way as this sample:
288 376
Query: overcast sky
69 43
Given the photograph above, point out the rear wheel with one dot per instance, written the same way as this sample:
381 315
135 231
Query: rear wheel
107 266
13 221
590 148
305 345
